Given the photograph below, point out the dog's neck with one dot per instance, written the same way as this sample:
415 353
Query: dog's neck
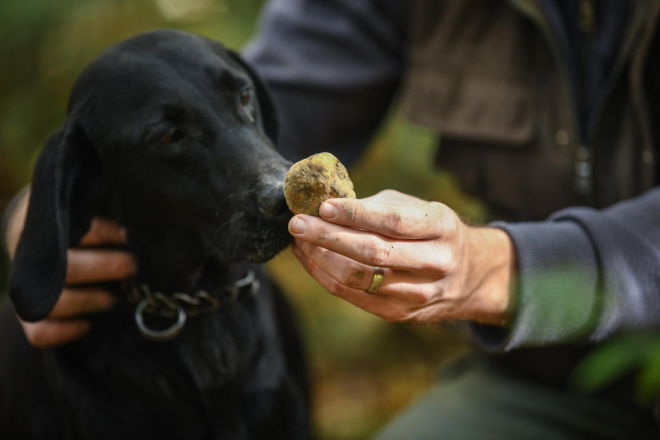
171 259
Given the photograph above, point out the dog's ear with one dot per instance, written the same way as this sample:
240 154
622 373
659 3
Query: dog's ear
67 186
271 125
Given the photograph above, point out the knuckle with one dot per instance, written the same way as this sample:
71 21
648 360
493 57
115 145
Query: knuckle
320 237
114 263
314 253
387 192
452 223
397 224
442 215
445 262
36 336
390 316
352 276
408 318
378 254
123 263
356 212
440 210
397 315
336 290
418 298
437 207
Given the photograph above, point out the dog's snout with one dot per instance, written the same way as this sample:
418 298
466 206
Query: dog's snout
272 201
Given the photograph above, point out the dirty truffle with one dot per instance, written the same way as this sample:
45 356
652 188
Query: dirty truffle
314 180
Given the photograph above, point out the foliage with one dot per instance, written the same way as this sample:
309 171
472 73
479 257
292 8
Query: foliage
630 354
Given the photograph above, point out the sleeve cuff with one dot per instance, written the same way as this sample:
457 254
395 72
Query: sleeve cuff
556 300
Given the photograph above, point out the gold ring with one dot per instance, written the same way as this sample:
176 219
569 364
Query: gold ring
375 283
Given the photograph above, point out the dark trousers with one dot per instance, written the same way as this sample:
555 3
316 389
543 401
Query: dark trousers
478 401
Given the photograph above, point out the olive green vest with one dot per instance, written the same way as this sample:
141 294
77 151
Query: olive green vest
489 76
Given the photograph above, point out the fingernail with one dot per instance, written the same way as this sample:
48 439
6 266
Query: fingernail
123 234
297 226
328 210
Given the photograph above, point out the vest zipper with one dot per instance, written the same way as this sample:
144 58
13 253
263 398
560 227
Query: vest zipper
628 43
584 154
581 165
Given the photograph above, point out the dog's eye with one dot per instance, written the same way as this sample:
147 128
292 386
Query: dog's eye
246 97
172 136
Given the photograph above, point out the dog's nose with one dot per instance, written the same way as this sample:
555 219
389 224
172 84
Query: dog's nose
273 203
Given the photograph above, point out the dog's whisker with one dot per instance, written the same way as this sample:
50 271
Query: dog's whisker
233 255
222 226
227 198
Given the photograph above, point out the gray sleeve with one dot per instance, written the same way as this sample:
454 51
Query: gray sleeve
584 275
333 67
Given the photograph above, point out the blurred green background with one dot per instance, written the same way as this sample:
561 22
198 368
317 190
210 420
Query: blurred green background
364 369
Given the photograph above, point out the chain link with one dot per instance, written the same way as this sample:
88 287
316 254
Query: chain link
196 304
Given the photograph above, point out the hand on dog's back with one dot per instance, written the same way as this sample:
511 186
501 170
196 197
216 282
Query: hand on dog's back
85 266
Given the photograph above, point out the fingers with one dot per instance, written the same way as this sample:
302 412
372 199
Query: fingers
383 306
87 266
104 231
368 248
82 301
57 329
347 272
404 286
376 304
51 333
428 221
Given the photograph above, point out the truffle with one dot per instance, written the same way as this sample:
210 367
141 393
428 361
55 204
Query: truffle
314 180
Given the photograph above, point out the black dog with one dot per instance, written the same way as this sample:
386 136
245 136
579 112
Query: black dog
172 135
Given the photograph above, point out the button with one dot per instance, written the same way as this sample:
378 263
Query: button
582 153
583 169
561 137
583 186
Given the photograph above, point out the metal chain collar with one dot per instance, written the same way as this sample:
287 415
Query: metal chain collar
181 306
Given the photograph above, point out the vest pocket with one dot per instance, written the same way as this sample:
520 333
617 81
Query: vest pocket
483 107
488 135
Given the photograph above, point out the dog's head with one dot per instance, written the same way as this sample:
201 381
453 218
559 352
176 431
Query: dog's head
173 129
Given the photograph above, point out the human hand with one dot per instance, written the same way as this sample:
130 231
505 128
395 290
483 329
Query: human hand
435 267
85 266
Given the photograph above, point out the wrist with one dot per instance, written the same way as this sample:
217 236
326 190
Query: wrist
491 273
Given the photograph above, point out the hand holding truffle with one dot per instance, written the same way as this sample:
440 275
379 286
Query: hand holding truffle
434 267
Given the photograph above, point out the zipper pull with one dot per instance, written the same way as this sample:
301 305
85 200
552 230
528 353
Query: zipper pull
583 171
